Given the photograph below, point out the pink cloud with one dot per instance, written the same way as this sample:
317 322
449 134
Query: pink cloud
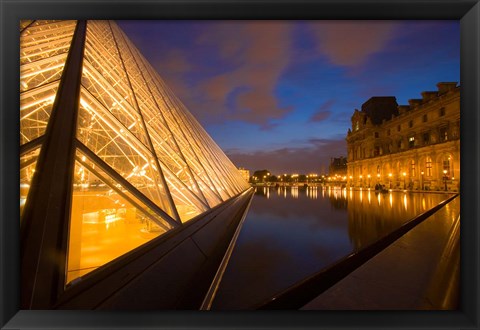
172 67
259 53
351 43
323 111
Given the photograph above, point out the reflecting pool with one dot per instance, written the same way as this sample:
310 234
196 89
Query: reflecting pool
292 232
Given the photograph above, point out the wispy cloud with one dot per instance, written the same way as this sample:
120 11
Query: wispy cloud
323 111
258 54
351 43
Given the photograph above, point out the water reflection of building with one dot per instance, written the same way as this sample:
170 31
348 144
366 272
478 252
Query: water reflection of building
411 146
337 197
373 215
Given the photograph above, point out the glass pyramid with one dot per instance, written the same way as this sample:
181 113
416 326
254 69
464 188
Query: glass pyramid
143 164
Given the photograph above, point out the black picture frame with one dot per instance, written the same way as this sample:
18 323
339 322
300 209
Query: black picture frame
467 11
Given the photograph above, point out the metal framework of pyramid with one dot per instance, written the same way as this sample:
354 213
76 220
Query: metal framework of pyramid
141 165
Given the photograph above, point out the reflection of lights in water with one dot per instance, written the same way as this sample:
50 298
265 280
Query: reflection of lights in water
323 192
378 198
344 191
361 196
268 193
312 192
294 192
285 192
423 203
351 193
391 199
405 200
369 196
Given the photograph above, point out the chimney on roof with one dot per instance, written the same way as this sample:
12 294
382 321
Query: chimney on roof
444 87
414 102
403 108
427 96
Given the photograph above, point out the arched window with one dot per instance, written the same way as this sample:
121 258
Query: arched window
428 166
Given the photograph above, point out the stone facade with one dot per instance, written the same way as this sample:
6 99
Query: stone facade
415 146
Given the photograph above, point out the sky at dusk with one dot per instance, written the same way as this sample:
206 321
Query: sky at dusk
279 95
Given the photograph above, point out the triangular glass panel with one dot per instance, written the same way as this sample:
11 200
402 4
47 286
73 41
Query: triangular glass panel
28 162
105 78
106 221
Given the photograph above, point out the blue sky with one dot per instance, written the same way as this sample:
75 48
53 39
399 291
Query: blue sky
279 95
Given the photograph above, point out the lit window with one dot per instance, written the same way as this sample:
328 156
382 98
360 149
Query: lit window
428 166
412 168
443 134
411 142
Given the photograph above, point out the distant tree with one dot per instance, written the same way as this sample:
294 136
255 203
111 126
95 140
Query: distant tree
260 174
272 178
302 178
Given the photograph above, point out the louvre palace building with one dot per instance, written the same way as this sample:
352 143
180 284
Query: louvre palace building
414 146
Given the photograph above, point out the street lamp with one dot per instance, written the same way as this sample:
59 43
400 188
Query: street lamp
445 179
422 173
404 175
390 180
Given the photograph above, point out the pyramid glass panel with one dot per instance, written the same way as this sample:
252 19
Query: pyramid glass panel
28 161
99 130
44 47
24 23
106 220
